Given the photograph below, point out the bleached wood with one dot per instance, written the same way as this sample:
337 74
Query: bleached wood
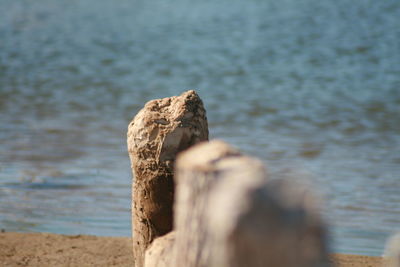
228 214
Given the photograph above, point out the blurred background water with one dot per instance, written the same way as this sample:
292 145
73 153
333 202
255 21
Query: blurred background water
312 87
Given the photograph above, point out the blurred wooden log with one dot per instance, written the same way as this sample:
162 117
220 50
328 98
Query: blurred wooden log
158 132
228 214
392 251
159 253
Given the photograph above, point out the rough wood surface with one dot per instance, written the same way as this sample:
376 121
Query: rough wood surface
227 213
158 132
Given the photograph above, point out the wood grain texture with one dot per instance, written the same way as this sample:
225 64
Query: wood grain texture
163 128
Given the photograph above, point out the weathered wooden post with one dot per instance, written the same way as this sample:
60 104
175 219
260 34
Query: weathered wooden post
227 214
158 132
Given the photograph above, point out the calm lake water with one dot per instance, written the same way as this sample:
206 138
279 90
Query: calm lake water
311 87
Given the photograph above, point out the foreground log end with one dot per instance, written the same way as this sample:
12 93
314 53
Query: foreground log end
228 213
204 156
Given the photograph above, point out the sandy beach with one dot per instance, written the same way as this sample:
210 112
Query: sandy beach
43 249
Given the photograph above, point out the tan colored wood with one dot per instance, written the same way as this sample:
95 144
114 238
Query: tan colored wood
163 128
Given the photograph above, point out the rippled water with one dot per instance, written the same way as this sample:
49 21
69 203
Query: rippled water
312 87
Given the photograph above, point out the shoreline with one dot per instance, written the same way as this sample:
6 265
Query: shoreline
45 249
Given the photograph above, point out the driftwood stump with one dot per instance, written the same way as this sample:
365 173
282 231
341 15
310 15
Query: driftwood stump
227 214
158 132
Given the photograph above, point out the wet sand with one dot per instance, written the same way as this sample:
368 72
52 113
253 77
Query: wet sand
42 249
